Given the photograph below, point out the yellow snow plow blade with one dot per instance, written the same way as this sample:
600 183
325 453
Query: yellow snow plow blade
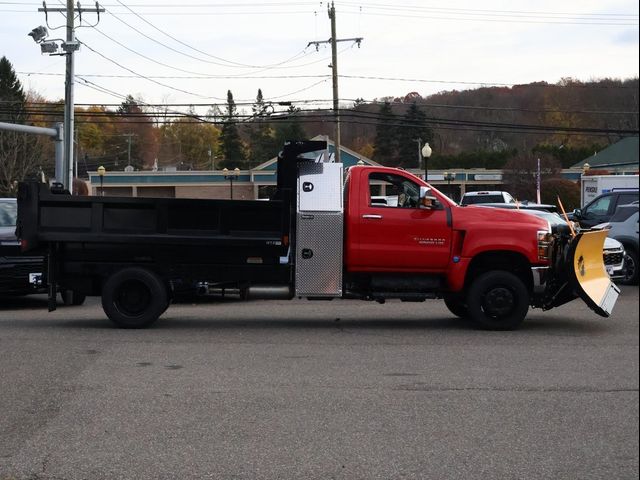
592 283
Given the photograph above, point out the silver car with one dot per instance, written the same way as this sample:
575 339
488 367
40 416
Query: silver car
623 226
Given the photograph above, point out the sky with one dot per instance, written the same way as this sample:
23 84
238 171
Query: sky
192 52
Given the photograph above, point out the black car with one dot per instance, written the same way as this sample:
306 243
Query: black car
601 209
19 274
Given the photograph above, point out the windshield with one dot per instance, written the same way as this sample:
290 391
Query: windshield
8 213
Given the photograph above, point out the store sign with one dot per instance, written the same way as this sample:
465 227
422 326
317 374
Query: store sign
488 176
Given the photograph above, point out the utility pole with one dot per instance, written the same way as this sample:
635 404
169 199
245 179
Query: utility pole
334 74
128 135
334 79
69 47
68 101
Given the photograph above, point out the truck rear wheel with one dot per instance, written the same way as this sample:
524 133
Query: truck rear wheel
498 300
134 298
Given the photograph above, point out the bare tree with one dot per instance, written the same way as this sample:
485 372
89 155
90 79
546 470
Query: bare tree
520 174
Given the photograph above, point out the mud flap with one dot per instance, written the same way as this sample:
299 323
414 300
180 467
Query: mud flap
588 276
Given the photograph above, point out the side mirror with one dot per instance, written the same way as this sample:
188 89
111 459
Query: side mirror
577 213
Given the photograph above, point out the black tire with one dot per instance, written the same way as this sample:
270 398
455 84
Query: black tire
630 268
134 298
498 300
71 297
456 305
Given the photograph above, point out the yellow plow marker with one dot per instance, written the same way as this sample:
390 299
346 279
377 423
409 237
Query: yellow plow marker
592 283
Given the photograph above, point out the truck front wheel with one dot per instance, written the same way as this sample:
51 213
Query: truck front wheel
456 305
498 300
134 298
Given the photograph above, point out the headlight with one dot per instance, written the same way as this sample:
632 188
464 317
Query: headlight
545 240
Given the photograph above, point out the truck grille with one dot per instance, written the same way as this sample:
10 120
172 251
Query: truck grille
613 258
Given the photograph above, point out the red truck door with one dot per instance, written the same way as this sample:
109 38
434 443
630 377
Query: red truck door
392 232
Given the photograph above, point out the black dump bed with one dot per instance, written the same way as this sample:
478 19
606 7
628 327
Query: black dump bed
46 217
184 241
224 242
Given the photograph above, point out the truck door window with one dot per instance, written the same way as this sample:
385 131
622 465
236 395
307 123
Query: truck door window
388 190
599 207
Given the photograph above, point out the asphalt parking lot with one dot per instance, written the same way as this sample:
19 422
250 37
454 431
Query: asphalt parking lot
306 390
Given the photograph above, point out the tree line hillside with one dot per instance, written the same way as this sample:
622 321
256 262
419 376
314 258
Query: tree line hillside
485 127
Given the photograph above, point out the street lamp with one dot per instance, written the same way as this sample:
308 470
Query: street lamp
230 176
426 153
449 176
101 172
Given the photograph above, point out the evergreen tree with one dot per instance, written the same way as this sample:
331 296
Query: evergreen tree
133 133
11 94
414 127
290 129
258 107
20 153
386 143
230 144
262 135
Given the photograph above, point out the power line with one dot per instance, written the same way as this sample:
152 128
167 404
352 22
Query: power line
578 84
145 77
366 103
184 77
203 52
227 63
360 117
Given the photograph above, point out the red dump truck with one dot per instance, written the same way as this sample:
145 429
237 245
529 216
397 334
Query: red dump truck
367 233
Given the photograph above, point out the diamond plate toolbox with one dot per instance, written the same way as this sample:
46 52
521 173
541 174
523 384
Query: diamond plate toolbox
320 187
319 254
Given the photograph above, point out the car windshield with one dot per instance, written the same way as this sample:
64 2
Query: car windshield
622 213
8 214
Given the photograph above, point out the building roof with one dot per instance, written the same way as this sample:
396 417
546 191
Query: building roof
621 154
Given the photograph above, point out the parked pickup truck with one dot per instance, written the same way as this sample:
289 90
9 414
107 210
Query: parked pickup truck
319 238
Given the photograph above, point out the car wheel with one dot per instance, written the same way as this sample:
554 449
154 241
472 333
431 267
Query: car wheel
134 297
498 300
630 268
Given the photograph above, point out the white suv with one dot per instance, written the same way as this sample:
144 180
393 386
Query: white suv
473 198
